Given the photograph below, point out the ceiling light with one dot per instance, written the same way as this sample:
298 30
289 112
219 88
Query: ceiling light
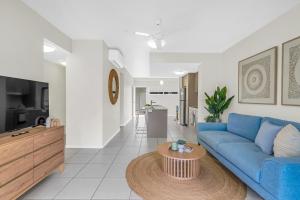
48 49
152 44
142 34
179 73
156 43
161 82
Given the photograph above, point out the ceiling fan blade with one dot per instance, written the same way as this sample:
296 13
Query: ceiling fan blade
142 34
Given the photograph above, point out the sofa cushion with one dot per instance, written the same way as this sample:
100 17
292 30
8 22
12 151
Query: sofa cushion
287 142
246 156
246 126
266 136
281 122
214 138
209 126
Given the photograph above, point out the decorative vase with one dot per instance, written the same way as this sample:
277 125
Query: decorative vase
174 146
55 122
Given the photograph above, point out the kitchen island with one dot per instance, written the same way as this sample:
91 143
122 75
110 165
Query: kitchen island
156 121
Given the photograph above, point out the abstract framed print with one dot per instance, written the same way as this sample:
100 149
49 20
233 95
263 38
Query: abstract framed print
257 78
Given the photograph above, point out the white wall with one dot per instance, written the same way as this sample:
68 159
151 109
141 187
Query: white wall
55 75
170 101
111 113
210 75
84 83
126 97
281 30
91 119
21 38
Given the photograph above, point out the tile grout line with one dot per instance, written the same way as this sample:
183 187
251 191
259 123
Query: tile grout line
72 178
107 172
109 169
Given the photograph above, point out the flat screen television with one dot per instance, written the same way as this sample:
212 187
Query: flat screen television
23 103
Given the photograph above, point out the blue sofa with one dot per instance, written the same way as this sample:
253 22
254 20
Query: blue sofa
232 143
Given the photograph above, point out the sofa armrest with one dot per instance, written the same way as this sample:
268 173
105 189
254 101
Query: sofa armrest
281 177
208 126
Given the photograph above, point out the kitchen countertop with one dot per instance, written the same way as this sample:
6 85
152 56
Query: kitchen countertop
156 107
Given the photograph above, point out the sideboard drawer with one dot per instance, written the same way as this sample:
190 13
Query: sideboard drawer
46 167
17 186
15 150
16 168
48 137
48 151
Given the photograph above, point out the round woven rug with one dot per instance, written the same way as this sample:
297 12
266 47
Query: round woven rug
145 176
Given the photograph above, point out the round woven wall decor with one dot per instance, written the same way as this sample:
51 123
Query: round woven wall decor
145 177
113 86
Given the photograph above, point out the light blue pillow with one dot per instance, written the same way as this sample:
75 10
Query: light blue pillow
266 136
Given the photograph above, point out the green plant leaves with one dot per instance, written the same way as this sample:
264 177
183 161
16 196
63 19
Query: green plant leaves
217 104
210 118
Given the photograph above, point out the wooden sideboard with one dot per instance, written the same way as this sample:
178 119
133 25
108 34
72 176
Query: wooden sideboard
28 158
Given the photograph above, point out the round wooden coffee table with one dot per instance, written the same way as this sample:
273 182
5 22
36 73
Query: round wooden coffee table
182 166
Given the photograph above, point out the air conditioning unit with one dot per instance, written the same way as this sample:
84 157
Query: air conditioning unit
115 56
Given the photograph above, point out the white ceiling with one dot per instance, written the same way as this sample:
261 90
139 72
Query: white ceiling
190 25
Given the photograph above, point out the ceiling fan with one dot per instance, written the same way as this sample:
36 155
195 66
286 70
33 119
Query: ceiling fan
156 39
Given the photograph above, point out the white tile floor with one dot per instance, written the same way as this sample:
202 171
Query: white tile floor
100 174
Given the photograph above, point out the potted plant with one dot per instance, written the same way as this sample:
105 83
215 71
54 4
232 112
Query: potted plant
217 104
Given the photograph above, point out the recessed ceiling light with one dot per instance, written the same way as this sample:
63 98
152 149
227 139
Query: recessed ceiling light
161 82
48 49
180 73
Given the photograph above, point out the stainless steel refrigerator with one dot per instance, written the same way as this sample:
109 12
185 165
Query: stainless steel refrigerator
182 106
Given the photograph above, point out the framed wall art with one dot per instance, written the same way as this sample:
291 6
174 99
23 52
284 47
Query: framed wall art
257 78
290 94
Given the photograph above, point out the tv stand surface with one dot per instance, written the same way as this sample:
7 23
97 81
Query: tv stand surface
26 159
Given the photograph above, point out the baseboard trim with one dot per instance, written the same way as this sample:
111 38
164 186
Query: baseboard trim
94 146
116 133
124 124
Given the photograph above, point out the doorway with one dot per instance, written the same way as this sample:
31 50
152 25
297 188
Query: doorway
140 98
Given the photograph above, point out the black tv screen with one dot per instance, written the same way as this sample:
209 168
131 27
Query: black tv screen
23 103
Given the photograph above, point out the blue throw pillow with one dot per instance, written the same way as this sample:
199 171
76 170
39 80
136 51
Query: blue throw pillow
266 136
